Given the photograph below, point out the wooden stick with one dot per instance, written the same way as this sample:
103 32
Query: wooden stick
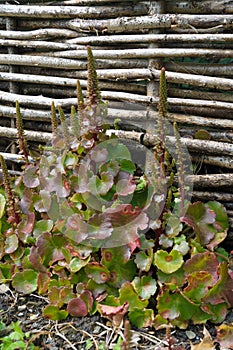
210 113
12 172
221 136
28 114
71 11
83 2
29 135
146 53
38 34
209 196
172 77
105 64
147 38
196 94
196 80
211 180
173 21
204 6
135 116
41 61
225 70
123 96
217 161
16 158
39 44
200 146
60 63
54 91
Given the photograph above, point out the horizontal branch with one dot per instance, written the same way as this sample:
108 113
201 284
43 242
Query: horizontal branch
204 6
36 101
217 161
222 136
114 39
112 95
206 112
131 63
135 117
83 2
179 21
172 77
149 38
196 80
63 63
29 135
41 61
218 196
16 158
146 53
27 114
38 34
56 92
71 11
201 121
193 145
39 44
211 180
213 70
197 94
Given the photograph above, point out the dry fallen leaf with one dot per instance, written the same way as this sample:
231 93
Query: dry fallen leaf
225 336
206 343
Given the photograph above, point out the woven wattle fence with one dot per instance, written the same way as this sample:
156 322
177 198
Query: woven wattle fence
43 53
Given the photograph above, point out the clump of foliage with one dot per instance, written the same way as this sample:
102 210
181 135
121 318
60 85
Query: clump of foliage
76 226
16 338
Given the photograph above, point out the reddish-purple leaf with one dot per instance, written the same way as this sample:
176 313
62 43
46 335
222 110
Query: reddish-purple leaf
201 218
206 261
77 307
114 313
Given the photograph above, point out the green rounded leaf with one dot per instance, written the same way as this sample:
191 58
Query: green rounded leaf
141 318
11 243
76 264
54 313
129 294
25 282
145 286
143 261
42 226
168 262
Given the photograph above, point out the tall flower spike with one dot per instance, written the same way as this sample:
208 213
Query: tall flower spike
81 104
54 121
128 336
64 126
21 137
74 122
93 92
180 168
162 105
11 203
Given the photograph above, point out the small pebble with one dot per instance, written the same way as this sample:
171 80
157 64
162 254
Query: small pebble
190 334
4 288
97 330
33 317
22 307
